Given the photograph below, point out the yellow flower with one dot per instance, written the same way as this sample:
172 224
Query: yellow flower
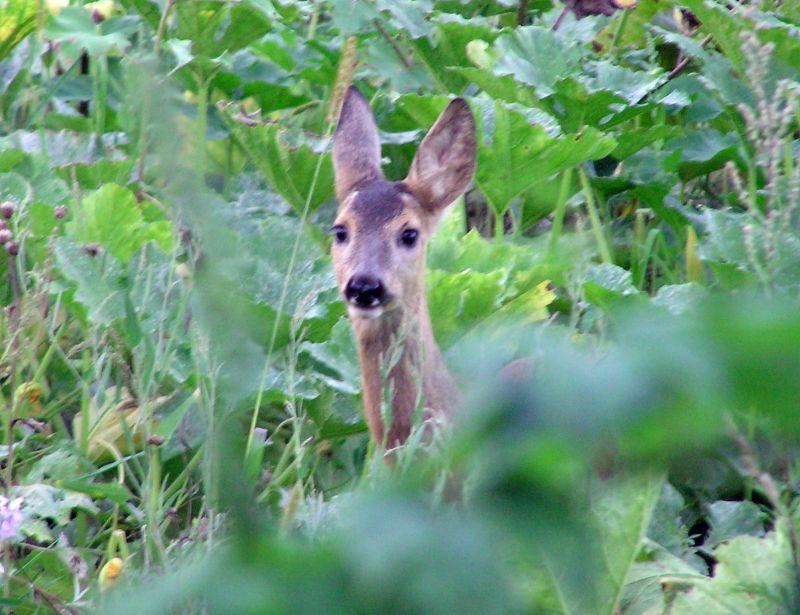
110 572
103 8
54 7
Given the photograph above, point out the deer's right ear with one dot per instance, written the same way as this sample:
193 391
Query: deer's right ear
356 145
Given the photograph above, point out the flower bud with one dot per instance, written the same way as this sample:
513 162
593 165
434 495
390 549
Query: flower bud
7 209
5 236
61 212
12 247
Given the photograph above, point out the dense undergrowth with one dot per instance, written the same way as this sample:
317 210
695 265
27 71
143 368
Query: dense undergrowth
180 394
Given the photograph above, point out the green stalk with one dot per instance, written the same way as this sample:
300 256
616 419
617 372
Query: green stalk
200 136
499 227
620 29
597 228
285 289
183 477
561 208
312 26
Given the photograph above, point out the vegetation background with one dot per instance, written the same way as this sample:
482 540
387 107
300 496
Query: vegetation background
180 393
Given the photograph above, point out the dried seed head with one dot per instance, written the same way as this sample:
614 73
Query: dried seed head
91 249
7 209
61 212
5 236
12 247
155 440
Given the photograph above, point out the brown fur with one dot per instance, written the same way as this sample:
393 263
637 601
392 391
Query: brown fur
374 213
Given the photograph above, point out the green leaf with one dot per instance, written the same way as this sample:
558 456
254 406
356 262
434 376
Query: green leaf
723 25
636 139
513 154
703 151
446 49
290 170
730 519
14 188
623 512
74 28
215 28
110 216
98 281
520 55
620 513
606 284
632 86
17 20
458 301
753 576
115 492
63 148
679 298
338 355
45 502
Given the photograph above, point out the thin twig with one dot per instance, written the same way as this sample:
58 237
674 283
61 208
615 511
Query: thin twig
560 19
750 465
681 66
403 58
522 12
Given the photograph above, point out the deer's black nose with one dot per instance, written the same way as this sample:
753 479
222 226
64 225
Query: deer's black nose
365 292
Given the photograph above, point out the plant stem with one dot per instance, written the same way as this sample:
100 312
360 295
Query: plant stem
202 121
522 12
499 227
148 101
597 227
561 208
312 26
620 30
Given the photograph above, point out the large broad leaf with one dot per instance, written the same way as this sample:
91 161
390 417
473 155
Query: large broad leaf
44 503
338 355
249 285
753 576
446 49
17 20
458 301
75 29
513 154
702 151
63 149
723 25
521 54
218 27
718 71
111 217
290 170
98 281
730 519
14 188
620 513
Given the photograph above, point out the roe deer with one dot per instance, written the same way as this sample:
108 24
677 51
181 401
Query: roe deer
380 234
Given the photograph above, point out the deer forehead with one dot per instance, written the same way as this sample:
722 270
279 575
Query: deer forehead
381 208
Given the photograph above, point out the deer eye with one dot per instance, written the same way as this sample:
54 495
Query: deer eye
408 237
339 233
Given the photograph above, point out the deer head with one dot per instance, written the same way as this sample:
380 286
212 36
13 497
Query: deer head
379 239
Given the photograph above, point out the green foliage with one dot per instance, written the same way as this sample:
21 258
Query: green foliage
180 388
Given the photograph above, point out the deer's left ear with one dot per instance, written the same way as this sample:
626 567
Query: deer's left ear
445 161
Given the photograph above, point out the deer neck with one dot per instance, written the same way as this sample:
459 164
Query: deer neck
401 341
